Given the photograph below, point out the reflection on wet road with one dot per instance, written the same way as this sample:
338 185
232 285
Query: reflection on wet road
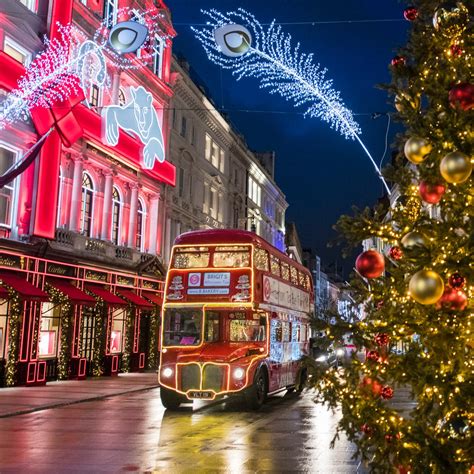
133 433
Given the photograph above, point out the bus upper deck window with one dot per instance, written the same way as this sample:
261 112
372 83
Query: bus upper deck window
191 260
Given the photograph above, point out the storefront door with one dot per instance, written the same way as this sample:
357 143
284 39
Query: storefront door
88 339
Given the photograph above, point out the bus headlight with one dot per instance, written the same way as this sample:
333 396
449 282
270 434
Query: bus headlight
167 372
239 373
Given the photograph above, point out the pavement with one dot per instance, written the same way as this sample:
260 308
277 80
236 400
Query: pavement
21 400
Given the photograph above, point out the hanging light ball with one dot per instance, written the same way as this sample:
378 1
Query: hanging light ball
456 167
451 18
426 287
455 50
366 429
417 149
431 192
453 299
382 339
396 253
456 280
413 240
371 386
410 13
386 392
370 264
461 96
398 61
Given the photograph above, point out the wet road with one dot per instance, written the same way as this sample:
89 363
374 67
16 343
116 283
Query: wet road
133 433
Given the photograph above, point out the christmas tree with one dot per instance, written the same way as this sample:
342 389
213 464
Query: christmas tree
415 280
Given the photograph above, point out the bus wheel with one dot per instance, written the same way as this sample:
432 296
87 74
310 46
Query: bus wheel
257 393
170 399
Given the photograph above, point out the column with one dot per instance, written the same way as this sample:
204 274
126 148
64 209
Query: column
76 194
132 225
167 242
106 215
154 231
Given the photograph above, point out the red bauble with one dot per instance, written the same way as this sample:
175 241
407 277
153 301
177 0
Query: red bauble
398 61
396 253
388 438
365 428
382 339
462 96
372 356
431 193
370 264
410 13
456 280
456 50
371 386
454 299
404 469
386 392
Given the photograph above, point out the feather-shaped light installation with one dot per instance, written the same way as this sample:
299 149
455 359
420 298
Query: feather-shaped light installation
238 42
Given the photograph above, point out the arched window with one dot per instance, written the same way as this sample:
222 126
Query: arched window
117 205
141 223
87 205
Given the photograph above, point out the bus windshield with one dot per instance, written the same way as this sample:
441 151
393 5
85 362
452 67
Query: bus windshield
182 327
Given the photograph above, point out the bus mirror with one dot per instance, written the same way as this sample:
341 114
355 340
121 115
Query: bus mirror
263 320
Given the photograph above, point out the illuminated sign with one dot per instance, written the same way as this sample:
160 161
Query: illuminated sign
139 117
282 294
194 279
208 291
217 279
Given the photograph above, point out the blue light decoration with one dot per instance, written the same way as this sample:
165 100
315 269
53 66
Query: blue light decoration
268 55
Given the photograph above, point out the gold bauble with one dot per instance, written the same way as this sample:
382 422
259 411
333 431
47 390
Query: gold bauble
416 149
426 287
412 240
451 18
402 99
456 167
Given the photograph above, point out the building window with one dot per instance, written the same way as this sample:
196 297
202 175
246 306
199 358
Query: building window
215 154
94 96
110 12
213 203
49 330
158 56
255 192
141 222
183 127
122 99
180 182
87 204
7 193
117 205
60 197
17 52
3 327
30 4
193 135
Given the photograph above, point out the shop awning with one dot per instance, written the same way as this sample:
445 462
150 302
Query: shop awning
134 298
75 295
106 295
25 289
155 298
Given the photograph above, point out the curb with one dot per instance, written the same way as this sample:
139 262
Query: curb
75 402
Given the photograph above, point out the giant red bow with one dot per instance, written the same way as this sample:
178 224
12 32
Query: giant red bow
60 115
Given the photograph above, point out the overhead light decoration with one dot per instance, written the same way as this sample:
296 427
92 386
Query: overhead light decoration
51 78
269 56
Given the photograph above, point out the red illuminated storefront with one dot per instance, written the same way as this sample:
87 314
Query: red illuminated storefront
81 228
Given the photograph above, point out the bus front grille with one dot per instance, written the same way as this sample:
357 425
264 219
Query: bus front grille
213 377
190 377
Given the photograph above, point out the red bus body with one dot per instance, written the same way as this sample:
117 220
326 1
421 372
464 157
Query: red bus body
234 307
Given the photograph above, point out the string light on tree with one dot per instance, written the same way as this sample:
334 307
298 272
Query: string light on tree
269 56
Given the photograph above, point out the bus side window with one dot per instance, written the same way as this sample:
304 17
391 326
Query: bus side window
286 331
295 332
276 331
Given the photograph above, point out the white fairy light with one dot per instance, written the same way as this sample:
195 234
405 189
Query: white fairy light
280 67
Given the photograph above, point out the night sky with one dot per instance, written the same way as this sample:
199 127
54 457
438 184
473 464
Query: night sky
322 174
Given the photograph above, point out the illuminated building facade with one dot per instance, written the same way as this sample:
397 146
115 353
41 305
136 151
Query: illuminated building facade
220 182
81 230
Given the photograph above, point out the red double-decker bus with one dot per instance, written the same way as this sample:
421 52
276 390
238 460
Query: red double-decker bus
236 319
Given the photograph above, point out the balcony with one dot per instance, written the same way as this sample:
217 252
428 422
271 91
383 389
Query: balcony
80 246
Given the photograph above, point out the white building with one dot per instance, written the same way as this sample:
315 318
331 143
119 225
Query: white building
220 182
